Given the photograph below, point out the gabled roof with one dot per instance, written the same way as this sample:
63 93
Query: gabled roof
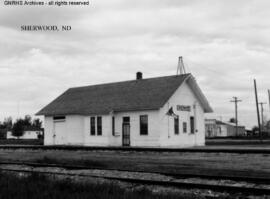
220 122
135 95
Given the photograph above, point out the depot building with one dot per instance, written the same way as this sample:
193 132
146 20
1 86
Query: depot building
155 112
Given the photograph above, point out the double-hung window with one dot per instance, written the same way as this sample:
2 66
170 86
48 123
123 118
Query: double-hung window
143 125
184 127
99 125
92 125
176 125
113 126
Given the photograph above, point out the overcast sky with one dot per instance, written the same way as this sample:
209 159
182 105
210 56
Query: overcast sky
225 44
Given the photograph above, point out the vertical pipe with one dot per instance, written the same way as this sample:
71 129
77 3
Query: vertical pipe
257 106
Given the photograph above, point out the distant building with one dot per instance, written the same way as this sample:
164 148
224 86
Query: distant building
216 128
28 133
156 112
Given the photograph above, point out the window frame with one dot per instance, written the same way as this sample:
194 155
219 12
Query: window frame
184 127
176 125
144 125
92 126
113 125
99 125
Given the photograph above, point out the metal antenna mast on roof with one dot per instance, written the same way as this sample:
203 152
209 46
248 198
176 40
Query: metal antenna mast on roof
181 67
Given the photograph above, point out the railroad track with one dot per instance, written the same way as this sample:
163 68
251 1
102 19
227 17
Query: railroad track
166 183
140 149
178 175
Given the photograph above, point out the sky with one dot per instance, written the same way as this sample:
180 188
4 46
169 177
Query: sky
225 44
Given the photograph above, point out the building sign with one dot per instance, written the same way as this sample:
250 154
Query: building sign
183 108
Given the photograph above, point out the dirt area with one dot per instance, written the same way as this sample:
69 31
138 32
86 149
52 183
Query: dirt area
252 165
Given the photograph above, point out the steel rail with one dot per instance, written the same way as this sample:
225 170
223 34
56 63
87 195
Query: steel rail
186 185
139 149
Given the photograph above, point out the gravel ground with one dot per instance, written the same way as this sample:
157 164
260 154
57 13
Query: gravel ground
148 176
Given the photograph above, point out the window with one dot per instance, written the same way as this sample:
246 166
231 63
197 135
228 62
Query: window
144 125
92 125
184 127
126 119
176 125
192 129
113 126
99 125
59 117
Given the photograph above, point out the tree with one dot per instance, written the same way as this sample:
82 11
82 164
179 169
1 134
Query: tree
27 120
232 120
37 123
18 127
7 124
267 125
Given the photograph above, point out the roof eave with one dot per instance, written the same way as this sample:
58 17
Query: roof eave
205 104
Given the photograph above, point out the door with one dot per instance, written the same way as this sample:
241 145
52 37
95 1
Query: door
126 131
60 133
192 125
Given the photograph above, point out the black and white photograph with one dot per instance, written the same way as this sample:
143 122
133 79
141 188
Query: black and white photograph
134 99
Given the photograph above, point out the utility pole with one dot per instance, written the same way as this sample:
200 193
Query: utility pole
236 100
262 103
181 67
257 106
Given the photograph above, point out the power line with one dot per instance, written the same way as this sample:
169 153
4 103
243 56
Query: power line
236 100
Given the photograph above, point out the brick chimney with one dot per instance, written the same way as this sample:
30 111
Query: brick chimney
139 75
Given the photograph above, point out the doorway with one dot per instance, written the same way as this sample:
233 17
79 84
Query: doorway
59 136
126 131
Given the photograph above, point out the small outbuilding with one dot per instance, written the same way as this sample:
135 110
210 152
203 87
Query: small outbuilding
215 128
29 132
156 112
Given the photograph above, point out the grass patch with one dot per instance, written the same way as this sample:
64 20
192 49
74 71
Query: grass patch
81 162
21 141
253 165
42 187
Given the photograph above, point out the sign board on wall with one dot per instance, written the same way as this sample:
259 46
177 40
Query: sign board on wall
183 108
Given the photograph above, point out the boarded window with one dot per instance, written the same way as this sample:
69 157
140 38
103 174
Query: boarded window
113 126
99 125
192 129
93 125
144 125
184 127
176 125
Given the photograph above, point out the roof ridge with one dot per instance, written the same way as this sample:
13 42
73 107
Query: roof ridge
151 78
